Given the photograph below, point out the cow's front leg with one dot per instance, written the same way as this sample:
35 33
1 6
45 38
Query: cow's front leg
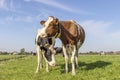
73 60
47 67
39 59
66 59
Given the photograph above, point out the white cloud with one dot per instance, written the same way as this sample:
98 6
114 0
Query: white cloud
27 0
96 28
14 19
9 6
56 4
28 19
9 19
6 6
115 35
43 14
100 36
3 5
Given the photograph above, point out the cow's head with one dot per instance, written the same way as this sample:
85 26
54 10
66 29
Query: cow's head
50 27
49 56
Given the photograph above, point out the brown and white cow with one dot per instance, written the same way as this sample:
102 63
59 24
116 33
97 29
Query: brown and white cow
70 33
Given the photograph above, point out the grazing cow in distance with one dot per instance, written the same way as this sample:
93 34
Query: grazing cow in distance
59 50
70 33
102 53
45 49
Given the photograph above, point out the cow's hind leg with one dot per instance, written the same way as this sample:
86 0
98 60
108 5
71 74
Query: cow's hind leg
73 60
76 59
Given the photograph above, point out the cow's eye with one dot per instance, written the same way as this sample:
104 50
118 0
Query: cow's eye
51 24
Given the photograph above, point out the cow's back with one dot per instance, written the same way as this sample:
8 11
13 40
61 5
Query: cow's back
75 33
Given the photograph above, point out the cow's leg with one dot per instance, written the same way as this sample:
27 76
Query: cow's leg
47 67
73 60
39 59
76 59
66 59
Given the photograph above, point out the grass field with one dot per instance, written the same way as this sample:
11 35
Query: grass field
91 67
9 57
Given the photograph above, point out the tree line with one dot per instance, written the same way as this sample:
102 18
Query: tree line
21 52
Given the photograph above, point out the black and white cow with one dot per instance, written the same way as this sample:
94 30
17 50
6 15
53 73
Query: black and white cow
45 49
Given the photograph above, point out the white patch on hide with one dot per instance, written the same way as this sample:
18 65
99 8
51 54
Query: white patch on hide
50 19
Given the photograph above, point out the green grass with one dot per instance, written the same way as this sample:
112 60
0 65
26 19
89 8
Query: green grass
8 57
91 67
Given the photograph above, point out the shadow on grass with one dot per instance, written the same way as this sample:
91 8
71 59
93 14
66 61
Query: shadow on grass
93 65
63 67
86 66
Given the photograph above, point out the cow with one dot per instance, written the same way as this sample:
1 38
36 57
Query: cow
71 34
59 50
45 49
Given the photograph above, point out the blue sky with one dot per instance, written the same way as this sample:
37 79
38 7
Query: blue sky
19 21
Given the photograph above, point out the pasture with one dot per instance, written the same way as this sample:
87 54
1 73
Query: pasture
91 67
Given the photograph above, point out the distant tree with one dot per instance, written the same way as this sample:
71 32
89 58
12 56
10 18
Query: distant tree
22 51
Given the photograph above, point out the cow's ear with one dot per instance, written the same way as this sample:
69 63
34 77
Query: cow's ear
42 23
57 21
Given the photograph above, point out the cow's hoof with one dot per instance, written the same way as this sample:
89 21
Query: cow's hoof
36 72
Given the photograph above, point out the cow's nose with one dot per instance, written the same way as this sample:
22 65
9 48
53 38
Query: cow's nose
52 64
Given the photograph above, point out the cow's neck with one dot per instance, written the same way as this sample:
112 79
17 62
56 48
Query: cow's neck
58 34
65 38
